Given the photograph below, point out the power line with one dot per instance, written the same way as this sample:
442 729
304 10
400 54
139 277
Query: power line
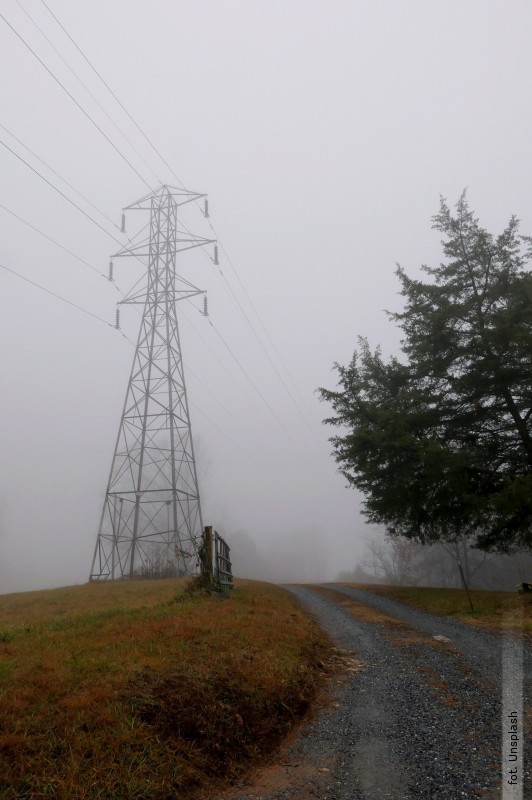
49 71
154 148
124 109
102 109
215 424
287 432
53 186
25 146
109 325
216 399
256 444
250 325
260 342
96 208
138 174
50 239
213 353
202 412
265 351
252 304
254 385
247 320
54 294
68 199
211 393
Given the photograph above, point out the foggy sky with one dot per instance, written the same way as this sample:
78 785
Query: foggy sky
324 133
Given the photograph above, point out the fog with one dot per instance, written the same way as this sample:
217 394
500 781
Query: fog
323 133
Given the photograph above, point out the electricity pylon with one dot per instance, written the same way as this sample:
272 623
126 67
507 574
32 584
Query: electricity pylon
151 518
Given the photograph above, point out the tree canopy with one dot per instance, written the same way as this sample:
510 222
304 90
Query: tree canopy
439 440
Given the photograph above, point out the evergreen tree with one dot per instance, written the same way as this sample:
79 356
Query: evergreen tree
440 441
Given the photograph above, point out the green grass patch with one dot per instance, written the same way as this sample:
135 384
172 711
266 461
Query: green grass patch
155 695
508 610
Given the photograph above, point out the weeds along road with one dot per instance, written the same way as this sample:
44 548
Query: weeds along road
412 718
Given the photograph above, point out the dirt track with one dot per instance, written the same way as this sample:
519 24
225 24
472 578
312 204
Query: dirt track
411 717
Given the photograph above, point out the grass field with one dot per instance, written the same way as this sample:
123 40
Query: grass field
140 690
508 610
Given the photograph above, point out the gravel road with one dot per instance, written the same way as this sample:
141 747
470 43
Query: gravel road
416 719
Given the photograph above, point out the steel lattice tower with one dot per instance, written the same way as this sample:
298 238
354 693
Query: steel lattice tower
151 519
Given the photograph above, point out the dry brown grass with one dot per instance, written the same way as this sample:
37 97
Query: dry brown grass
395 630
127 690
508 610
31 608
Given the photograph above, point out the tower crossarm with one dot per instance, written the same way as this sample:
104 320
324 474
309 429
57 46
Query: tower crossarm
143 248
180 197
139 299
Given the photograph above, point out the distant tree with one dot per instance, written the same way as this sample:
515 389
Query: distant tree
396 559
440 442
436 565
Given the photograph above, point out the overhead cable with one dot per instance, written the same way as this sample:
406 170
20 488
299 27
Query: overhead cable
52 170
62 247
213 353
252 304
56 79
254 385
54 294
109 325
124 109
95 99
154 148
265 351
68 199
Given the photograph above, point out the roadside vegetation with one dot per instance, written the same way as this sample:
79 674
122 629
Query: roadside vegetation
147 689
508 610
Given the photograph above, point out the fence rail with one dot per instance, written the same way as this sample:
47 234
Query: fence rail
222 562
215 560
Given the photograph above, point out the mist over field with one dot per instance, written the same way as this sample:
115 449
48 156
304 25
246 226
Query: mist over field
324 134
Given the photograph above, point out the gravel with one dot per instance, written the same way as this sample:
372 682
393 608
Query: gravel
416 722
481 649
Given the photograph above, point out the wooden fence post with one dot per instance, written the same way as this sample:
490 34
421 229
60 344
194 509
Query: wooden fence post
206 560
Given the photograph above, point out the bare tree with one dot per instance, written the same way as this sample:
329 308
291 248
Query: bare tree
396 559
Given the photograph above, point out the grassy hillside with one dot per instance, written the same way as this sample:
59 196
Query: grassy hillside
141 690
508 610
